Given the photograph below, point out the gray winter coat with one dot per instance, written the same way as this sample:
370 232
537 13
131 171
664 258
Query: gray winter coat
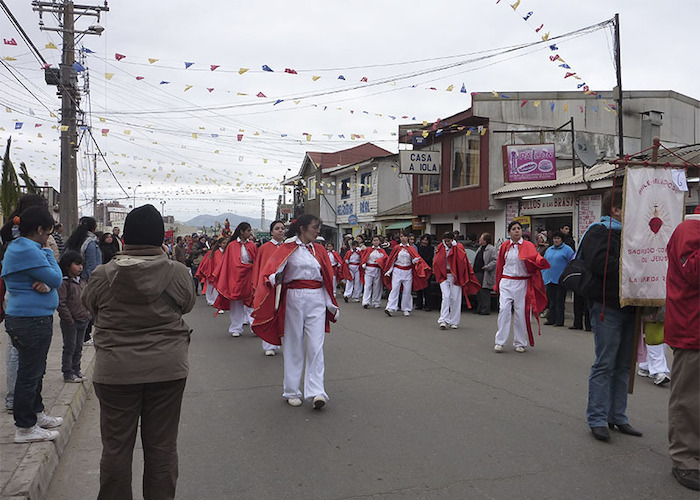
490 257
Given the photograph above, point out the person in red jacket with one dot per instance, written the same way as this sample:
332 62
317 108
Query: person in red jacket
264 254
456 277
371 263
682 334
234 279
404 268
294 304
519 282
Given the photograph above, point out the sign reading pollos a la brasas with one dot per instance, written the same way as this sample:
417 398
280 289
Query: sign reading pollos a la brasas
420 162
529 162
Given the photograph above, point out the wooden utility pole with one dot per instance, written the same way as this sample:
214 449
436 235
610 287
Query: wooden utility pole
618 89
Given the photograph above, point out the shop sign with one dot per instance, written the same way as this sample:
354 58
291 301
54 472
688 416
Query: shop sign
589 210
529 162
417 223
554 204
345 209
420 162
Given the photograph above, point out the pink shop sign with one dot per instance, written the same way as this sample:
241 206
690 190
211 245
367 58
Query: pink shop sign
529 162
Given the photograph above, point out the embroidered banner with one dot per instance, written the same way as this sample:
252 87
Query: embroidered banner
652 208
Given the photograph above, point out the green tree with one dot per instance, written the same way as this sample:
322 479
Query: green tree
30 185
9 187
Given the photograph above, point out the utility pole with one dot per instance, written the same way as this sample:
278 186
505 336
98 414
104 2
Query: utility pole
617 91
262 215
66 80
94 186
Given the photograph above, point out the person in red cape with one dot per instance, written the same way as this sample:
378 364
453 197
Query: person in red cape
371 264
337 263
264 254
210 264
406 268
294 305
456 277
519 282
353 285
234 279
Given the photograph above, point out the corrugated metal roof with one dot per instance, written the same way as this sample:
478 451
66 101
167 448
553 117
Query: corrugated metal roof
597 172
404 209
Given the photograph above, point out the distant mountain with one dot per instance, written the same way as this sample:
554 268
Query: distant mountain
206 220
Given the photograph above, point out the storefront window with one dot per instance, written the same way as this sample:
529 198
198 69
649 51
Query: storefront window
465 161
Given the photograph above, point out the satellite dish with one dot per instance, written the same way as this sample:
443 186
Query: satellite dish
585 152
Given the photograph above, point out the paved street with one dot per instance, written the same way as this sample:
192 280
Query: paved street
415 412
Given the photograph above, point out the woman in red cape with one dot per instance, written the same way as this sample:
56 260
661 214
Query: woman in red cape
234 279
264 254
353 281
404 267
456 278
294 301
371 264
208 268
340 269
521 288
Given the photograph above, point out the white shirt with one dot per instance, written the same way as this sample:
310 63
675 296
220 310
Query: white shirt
332 258
403 259
301 265
447 254
354 257
245 258
374 255
513 266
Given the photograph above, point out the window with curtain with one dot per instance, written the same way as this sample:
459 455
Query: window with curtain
465 161
429 183
345 188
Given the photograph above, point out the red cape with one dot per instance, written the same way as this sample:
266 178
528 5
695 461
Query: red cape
234 280
268 324
340 270
421 270
264 253
347 275
204 268
459 267
364 258
536 298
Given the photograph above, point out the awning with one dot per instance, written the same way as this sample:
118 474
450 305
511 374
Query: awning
399 225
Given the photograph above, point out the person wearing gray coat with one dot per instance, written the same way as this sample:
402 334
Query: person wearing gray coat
485 269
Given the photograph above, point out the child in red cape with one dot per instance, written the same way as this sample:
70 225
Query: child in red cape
406 268
521 287
456 277
294 301
234 279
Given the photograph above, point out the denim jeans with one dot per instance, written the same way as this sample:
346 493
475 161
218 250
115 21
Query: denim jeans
12 363
607 383
32 338
73 335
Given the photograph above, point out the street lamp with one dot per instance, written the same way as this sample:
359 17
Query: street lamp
135 194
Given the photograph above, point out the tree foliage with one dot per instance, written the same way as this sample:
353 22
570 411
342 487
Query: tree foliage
9 187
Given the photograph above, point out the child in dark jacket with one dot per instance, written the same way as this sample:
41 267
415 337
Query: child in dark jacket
74 316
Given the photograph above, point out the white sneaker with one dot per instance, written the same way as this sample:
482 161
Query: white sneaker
235 334
34 435
454 327
520 349
406 313
377 307
498 348
661 378
270 352
388 312
643 372
47 422
443 325
294 402
220 311
355 300
319 402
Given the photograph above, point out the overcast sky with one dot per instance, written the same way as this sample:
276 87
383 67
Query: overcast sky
182 146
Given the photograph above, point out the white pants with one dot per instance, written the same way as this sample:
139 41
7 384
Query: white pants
353 288
512 294
304 322
373 287
269 347
238 314
401 277
451 307
656 359
211 294
248 315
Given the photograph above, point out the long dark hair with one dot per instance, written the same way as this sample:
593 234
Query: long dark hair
34 217
26 201
86 224
302 221
243 226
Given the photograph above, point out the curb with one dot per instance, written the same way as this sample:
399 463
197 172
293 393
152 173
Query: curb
35 463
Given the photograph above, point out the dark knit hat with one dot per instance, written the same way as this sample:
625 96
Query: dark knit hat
144 226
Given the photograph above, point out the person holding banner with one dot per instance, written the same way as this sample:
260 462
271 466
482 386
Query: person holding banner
682 334
294 305
520 288
613 326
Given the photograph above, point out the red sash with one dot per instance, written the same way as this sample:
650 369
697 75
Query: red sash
421 270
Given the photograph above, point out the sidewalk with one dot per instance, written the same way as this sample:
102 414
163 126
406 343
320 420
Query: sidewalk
26 469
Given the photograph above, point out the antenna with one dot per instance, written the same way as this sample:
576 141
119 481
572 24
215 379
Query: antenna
585 152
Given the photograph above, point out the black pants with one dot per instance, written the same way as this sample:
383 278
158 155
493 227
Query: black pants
582 312
157 406
556 294
484 301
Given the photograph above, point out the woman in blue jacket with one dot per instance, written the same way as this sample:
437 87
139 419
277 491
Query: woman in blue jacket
31 276
558 256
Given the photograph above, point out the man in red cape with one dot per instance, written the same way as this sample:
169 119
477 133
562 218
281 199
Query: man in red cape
268 321
463 276
536 296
